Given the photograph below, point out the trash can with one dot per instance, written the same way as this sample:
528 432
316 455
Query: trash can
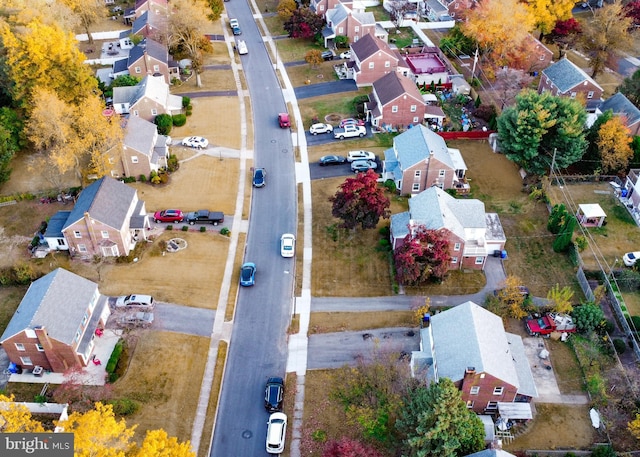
497 253
503 254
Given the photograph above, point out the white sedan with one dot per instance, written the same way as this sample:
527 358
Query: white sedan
242 48
287 245
320 128
195 142
345 55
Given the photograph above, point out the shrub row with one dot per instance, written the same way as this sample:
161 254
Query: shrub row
113 361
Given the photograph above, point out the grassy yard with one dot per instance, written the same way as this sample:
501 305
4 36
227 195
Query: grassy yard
329 108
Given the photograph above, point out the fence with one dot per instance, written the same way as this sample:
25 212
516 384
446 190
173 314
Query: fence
584 285
470 135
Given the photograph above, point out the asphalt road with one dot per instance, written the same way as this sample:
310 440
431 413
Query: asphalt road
258 344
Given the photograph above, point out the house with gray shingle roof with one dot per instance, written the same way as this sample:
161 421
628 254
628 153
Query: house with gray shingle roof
55 324
154 6
420 159
151 25
473 234
566 79
343 21
470 346
620 105
107 220
395 101
147 99
143 149
149 58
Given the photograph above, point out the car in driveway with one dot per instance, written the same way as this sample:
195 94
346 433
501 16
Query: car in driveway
259 175
287 245
345 55
138 319
248 274
351 121
274 394
331 160
197 142
135 301
320 128
363 165
276 432
168 215
327 55
360 155
630 258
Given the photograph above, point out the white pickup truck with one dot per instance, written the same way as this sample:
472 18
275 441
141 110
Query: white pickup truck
349 131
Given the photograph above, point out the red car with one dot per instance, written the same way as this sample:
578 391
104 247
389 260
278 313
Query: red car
351 121
168 215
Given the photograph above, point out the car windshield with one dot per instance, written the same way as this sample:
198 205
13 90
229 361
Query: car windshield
246 273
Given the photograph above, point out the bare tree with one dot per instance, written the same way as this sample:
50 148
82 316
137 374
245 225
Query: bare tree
509 83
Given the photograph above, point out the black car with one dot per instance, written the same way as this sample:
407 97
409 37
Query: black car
327 55
258 177
332 160
273 394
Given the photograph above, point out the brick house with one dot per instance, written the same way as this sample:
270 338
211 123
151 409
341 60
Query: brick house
395 100
153 6
371 59
621 106
322 6
147 99
537 56
470 346
566 79
143 150
343 21
151 25
149 58
55 324
473 234
458 8
420 159
107 220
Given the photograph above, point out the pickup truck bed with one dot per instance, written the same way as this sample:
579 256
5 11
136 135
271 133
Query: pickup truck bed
204 216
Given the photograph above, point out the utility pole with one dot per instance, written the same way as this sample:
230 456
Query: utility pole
475 61
553 164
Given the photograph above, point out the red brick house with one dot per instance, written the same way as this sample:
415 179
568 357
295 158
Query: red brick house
343 21
473 234
150 58
566 79
371 59
55 324
147 99
153 6
395 101
322 6
470 346
151 25
458 8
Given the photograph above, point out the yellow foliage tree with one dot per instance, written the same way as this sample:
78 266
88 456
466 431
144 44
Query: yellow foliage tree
614 144
561 299
88 13
313 57
16 418
634 427
420 312
286 9
157 444
548 12
510 298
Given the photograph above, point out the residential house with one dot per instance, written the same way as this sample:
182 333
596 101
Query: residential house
147 99
535 56
143 150
420 159
153 6
343 21
107 220
470 346
322 6
395 101
436 11
371 59
566 79
630 193
55 324
427 67
458 8
621 106
149 58
151 25
473 234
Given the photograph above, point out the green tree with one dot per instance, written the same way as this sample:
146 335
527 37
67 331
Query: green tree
557 218
540 124
216 8
630 87
164 123
435 422
563 240
360 202
587 317
125 80
455 42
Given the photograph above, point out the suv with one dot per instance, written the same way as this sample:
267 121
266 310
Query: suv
273 395
360 155
283 120
327 55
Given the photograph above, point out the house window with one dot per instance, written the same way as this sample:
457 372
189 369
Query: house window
475 390
138 70
77 337
371 65
156 68
154 112
340 31
573 94
456 247
112 160
26 361
61 242
30 333
134 159
387 64
321 7
77 234
104 234
394 109
19 346
469 404
441 173
415 187
39 347
84 319
590 94
479 260
498 390
135 113
356 29
417 173
414 108
454 260
492 405
416 120
542 56
82 248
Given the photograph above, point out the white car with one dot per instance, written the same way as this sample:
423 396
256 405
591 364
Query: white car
135 301
195 142
360 155
276 433
320 128
345 55
630 258
287 245
233 23
242 48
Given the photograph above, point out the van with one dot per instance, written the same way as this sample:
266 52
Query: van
135 301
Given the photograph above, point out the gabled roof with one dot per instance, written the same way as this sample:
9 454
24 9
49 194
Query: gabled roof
368 45
392 86
106 200
152 48
140 135
341 12
152 87
619 104
416 144
58 302
57 221
154 21
566 75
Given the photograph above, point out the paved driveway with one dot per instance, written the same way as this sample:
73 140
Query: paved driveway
315 90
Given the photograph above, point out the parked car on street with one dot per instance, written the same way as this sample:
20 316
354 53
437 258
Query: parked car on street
351 121
283 120
327 55
168 215
276 432
630 258
274 394
259 175
139 319
135 301
242 47
360 155
320 128
287 245
363 165
235 26
248 274
332 160
195 142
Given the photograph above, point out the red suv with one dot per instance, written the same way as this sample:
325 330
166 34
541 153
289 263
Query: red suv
168 215
283 120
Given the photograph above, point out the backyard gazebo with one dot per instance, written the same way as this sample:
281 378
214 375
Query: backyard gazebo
591 215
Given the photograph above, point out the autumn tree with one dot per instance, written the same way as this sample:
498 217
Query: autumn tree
509 299
606 35
509 82
187 27
304 23
434 421
359 201
614 145
560 299
286 9
313 57
632 11
499 26
630 87
157 443
565 35
16 417
633 427
216 8
88 12
547 12
424 254
541 126
347 447
455 43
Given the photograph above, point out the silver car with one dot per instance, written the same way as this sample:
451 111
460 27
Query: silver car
363 165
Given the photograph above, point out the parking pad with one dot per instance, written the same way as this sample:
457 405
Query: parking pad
542 370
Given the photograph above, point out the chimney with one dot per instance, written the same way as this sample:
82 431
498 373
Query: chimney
470 370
